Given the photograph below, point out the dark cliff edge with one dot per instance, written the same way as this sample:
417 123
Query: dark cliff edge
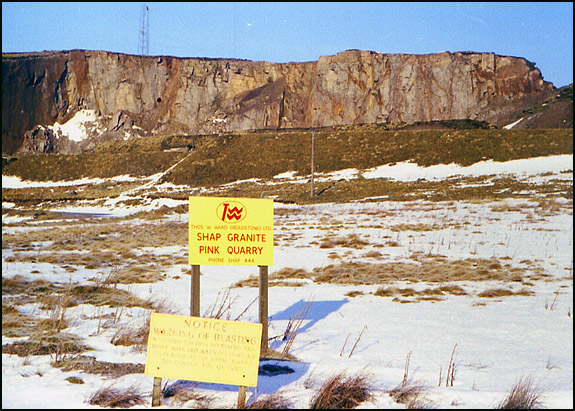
123 96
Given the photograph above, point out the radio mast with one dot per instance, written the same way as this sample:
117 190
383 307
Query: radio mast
144 35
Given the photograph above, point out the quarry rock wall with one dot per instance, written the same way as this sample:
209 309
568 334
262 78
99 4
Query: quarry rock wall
162 95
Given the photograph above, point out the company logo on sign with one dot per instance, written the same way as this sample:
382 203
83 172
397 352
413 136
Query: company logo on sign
231 212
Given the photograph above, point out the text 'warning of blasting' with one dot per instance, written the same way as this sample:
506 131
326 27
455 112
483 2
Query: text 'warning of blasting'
203 349
231 231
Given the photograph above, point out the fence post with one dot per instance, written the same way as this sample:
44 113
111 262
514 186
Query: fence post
156 390
242 397
263 308
195 292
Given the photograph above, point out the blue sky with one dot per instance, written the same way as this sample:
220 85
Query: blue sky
283 32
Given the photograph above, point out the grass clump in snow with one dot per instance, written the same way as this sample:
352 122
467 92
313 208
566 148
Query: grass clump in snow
411 394
136 338
290 277
90 365
16 324
343 392
102 295
503 292
422 268
59 345
181 392
110 397
273 401
351 241
525 394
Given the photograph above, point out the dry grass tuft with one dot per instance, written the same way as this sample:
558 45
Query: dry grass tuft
503 292
136 338
16 324
422 268
386 291
103 295
181 392
90 365
110 397
351 241
411 394
523 395
427 294
270 402
289 277
343 392
46 343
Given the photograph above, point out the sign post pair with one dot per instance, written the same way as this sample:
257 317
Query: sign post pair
222 231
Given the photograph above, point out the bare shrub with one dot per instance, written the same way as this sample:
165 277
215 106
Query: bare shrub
57 318
110 397
357 341
525 394
450 377
219 308
343 392
293 327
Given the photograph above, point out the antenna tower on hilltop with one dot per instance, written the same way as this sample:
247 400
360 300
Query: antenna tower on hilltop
144 36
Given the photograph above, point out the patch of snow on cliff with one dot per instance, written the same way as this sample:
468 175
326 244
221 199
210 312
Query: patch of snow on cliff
79 126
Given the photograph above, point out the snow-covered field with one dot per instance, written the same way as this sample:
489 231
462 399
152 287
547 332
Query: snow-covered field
494 340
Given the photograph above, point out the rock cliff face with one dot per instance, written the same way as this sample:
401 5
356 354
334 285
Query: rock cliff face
145 95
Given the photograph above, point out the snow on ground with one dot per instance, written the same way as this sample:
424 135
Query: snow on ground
407 171
17 182
496 340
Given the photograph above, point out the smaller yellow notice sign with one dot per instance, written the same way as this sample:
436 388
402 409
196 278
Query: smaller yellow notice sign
231 231
203 349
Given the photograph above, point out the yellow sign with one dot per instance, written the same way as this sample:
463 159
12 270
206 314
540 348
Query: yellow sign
231 231
203 349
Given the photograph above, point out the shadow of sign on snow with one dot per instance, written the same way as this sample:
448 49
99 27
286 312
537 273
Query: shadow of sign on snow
318 310
270 382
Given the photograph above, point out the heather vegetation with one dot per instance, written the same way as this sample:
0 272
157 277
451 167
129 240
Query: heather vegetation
220 159
258 156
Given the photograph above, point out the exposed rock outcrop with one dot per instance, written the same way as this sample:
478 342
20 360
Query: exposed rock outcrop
155 95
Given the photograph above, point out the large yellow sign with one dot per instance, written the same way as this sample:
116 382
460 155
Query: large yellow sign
231 231
203 349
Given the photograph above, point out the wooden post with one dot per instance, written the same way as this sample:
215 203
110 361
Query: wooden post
312 162
195 292
156 391
242 397
263 308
